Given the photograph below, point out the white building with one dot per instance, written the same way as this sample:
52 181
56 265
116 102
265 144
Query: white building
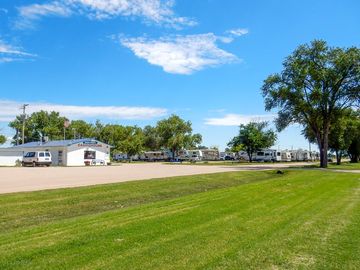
64 153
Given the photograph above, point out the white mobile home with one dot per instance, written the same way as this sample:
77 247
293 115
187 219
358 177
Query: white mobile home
64 153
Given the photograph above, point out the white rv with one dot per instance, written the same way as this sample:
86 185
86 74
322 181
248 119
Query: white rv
195 155
285 156
268 155
243 156
210 154
157 156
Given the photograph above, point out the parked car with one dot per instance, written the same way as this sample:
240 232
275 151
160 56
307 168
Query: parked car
37 158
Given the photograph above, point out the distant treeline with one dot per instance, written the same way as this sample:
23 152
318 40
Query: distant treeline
172 133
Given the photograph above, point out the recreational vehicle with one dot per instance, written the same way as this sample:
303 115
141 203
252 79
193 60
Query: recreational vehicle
210 154
195 155
157 156
285 156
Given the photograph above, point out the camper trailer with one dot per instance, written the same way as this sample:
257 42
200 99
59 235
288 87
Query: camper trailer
285 156
242 155
183 155
157 156
303 155
210 154
195 155
268 155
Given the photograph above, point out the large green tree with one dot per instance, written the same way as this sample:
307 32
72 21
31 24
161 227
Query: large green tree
342 133
123 139
316 85
151 138
132 141
39 125
2 139
176 134
253 137
80 129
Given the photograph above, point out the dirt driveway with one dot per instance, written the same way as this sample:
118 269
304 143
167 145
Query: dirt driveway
30 179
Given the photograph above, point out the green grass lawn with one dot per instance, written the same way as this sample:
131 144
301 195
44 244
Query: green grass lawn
345 166
241 220
342 166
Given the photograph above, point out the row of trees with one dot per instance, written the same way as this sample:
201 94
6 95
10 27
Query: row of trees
172 133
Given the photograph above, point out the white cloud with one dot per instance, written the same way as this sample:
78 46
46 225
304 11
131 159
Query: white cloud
237 119
34 12
9 53
238 32
180 54
157 11
9 109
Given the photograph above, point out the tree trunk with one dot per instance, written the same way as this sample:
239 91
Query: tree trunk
338 157
250 157
323 146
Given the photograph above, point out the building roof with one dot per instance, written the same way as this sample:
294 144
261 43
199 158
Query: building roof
61 143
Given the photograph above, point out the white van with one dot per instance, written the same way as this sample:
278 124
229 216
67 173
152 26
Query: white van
37 158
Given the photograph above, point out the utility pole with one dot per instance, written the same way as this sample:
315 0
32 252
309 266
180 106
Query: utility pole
23 108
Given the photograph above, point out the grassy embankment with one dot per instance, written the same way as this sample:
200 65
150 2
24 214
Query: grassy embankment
240 220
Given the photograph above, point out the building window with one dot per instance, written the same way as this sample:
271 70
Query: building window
89 155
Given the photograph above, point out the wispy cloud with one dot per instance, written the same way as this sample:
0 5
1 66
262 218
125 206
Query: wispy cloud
180 54
10 53
9 109
237 119
29 14
238 32
156 11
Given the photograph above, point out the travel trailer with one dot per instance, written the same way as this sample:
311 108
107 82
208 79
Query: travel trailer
195 155
268 155
210 154
285 156
242 155
183 155
157 156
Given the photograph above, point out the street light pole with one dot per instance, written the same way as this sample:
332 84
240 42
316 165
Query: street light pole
23 108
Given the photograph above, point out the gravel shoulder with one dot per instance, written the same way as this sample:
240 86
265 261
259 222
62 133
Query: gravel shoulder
32 179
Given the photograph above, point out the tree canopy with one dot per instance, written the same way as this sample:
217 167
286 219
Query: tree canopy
2 139
176 134
173 133
253 137
317 84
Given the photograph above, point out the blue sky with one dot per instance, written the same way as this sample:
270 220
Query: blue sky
138 61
